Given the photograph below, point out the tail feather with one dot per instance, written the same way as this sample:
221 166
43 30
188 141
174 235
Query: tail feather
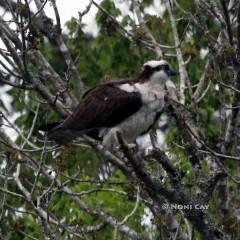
59 134
49 126
62 135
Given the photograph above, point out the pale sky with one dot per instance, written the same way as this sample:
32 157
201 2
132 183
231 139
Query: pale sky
70 8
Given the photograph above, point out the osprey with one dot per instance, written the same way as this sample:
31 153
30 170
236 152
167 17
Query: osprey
130 107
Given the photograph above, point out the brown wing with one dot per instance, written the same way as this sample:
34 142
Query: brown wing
103 106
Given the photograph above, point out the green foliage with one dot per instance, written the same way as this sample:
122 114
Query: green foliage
100 58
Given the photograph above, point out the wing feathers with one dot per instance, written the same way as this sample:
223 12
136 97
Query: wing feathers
104 106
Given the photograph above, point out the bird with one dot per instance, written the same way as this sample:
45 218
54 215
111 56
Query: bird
128 106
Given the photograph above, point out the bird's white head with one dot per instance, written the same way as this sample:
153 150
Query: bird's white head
157 70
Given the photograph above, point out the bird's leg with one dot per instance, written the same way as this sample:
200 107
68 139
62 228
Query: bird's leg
140 153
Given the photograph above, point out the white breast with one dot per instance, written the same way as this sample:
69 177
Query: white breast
131 128
153 102
152 94
149 91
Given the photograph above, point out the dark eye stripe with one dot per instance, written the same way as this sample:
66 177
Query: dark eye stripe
162 67
166 67
158 68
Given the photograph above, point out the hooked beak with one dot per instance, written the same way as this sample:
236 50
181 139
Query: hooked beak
170 72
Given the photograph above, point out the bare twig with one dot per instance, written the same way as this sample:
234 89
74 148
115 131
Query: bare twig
144 26
184 80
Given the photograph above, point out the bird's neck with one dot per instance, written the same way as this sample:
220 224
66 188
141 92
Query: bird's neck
158 78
